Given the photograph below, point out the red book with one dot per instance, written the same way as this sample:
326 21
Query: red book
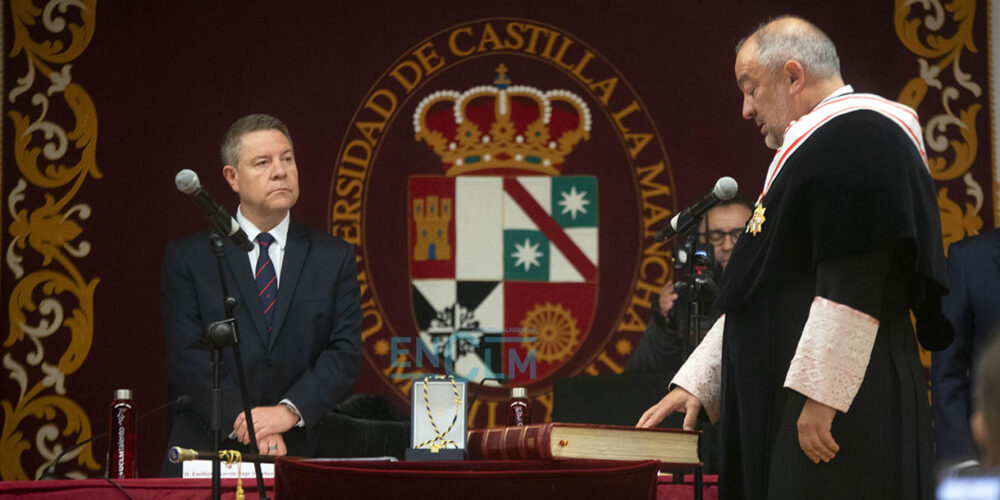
604 442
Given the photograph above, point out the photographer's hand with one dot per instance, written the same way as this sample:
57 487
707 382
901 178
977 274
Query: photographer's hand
667 298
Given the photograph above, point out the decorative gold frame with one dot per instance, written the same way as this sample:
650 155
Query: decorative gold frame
948 101
51 305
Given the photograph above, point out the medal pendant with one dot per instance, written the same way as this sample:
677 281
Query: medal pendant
756 223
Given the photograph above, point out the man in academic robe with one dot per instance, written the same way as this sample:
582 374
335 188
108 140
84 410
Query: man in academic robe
813 369
298 310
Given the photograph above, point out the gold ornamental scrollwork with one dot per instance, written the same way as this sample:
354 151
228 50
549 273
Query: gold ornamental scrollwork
948 100
51 305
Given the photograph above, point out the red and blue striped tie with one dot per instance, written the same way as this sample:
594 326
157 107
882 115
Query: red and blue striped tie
267 279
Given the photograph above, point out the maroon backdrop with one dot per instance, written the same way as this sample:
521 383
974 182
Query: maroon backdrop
167 78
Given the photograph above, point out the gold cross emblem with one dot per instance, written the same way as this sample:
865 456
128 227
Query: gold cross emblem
502 78
756 223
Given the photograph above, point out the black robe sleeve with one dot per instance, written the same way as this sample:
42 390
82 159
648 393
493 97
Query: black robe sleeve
856 281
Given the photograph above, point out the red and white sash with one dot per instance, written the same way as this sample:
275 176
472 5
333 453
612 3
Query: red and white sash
840 102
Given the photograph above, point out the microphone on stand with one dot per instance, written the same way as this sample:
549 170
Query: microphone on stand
50 471
725 189
187 182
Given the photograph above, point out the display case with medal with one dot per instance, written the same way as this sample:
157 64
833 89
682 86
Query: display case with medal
438 419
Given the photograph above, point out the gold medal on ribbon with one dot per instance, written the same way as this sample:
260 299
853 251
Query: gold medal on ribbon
756 223
440 441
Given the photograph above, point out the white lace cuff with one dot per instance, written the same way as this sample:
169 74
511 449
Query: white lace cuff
833 354
701 374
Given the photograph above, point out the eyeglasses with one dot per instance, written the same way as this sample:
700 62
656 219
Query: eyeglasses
716 236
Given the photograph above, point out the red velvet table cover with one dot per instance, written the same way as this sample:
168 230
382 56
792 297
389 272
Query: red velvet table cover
183 489
148 489
479 479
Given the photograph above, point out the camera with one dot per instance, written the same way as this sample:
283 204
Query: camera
695 270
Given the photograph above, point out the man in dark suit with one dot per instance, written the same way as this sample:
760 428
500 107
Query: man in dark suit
973 307
298 309
986 419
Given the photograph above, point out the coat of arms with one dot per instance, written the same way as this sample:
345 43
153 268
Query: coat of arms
503 247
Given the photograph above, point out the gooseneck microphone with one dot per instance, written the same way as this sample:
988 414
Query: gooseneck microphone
50 471
187 182
725 189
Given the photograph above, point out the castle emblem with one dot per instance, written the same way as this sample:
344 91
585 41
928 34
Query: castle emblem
432 216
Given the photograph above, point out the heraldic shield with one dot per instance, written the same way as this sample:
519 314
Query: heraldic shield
503 253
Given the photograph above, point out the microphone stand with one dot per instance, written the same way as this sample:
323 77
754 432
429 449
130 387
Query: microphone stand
222 334
696 289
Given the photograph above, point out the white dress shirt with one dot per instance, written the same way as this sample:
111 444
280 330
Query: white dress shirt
277 253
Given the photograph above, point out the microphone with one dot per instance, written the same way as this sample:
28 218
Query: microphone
50 471
725 189
187 182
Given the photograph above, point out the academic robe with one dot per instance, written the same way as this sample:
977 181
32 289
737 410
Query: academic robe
850 218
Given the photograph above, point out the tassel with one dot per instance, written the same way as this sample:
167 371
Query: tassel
231 457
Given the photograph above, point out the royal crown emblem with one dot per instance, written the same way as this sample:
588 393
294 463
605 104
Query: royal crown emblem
502 129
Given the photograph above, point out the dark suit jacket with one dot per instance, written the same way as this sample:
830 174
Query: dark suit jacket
313 354
973 307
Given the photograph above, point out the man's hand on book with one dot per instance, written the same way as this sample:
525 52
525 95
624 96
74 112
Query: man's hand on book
675 400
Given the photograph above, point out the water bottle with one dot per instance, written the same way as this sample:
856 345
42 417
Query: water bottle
121 446
518 409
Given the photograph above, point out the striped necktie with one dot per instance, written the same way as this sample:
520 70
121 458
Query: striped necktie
267 279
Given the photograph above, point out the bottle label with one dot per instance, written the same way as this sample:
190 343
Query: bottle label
121 448
518 413
121 440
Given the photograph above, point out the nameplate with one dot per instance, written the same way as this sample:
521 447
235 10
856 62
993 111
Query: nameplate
202 469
